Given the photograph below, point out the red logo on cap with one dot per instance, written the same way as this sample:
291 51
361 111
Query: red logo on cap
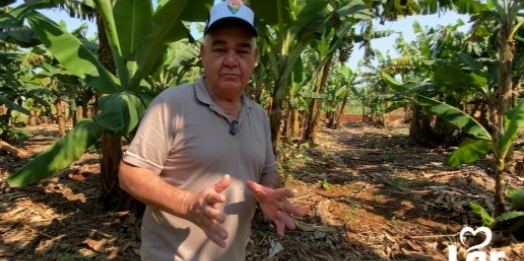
233 5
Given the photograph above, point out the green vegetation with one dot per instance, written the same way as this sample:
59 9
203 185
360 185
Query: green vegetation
458 88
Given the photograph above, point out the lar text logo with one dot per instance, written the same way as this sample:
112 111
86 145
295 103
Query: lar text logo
475 252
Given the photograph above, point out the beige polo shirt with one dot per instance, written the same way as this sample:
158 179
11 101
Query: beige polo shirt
184 137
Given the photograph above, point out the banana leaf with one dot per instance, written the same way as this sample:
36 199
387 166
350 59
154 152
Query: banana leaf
23 37
517 203
72 54
487 219
121 112
273 12
515 120
180 54
167 28
13 106
133 23
106 9
392 83
455 116
469 151
59 155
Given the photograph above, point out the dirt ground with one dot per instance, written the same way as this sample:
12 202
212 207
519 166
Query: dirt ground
366 195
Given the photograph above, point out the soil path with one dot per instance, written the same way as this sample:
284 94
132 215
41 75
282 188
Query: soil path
366 195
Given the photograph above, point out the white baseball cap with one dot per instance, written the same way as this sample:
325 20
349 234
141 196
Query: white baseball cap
233 11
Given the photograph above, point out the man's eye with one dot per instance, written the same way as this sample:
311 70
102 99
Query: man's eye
220 50
243 51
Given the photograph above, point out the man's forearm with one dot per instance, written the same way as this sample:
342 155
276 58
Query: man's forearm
270 180
152 190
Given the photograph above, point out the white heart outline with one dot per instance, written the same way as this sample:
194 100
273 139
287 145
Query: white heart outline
486 231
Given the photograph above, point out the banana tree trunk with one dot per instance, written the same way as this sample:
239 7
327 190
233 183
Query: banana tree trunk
33 119
338 117
364 117
78 114
60 117
288 129
500 186
295 132
315 107
4 122
330 116
420 127
113 197
275 117
506 46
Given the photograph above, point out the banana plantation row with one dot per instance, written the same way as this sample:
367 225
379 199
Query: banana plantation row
457 87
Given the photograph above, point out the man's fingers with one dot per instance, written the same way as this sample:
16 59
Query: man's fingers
280 227
290 224
212 198
284 193
292 209
223 183
215 214
217 234
255 187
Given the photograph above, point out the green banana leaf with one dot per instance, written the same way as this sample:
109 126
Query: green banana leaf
469 151
515 120
133 22
518 200
72 54
196 12
509 215
106 9
356 10
461 81
167 28
487 219
23 37
181 53
455 116
308 11
13 106
470 61
59 155
14 18
120 112
392 83
273 12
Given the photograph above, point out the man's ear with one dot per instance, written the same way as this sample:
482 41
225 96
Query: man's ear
202 50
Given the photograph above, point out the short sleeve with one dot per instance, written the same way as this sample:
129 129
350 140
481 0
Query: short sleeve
270 165
151 145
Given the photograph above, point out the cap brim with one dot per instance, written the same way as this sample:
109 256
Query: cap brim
232 21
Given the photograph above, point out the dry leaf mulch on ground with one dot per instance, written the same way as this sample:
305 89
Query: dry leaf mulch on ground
365 196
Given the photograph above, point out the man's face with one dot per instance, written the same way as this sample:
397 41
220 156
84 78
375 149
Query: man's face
229 54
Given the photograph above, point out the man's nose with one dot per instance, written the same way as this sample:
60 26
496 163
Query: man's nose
231 58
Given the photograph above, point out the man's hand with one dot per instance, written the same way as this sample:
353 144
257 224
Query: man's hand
201 209
275 206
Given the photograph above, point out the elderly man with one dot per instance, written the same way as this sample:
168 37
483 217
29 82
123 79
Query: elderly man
202 156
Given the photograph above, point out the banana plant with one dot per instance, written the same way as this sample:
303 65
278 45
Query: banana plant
181 58
325 49
480 141
13 33
295 25
338 92
138 35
